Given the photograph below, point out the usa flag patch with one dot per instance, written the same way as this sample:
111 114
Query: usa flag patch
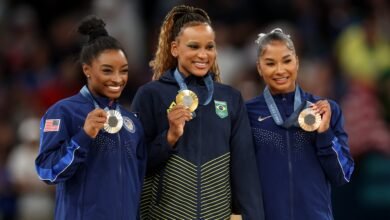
52 125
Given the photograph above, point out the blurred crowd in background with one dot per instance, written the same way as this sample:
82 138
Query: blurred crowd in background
343 48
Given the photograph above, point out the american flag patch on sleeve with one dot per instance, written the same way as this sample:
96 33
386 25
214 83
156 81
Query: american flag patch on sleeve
52 125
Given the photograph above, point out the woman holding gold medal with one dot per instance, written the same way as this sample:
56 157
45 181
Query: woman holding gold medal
91 147
301 146
201 162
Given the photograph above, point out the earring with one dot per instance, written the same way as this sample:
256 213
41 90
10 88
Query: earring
88 76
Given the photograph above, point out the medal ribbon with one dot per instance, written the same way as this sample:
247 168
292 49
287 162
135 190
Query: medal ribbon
298 106
87 94
207 80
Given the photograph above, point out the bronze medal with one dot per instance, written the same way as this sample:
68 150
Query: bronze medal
114 121
187 98
308 120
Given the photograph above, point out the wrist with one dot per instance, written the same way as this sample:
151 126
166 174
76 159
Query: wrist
172 138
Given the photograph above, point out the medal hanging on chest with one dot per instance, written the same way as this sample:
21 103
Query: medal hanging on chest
303 116
187 97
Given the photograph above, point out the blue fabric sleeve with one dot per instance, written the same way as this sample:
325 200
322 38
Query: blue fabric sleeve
333 150
60 154
246 188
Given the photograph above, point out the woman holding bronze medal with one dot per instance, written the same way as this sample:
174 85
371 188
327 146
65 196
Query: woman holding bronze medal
91 147
301 146
201 162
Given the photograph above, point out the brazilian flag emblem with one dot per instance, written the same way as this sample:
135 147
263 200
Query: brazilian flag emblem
221 109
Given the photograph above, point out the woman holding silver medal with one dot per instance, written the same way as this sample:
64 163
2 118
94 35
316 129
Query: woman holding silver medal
91 147
201 162
301 146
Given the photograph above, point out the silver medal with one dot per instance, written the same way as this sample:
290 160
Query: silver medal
114 121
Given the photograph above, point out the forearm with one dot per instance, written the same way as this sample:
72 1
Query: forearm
334 157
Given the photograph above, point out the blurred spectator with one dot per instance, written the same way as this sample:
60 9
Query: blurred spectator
363 50
7 192
230 60
316 76
68 82
124 22
384 95
365 125
63 42
21 33
35 198
363 53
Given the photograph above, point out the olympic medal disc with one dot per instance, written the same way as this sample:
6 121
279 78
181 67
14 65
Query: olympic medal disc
114 122
308 120
187 98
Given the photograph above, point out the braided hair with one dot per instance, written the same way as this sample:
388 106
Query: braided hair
178 18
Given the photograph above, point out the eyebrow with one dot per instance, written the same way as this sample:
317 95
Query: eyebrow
284 57
197 42
107 65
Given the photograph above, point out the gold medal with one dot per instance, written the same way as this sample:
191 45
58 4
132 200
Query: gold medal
308 120
114 122
187 98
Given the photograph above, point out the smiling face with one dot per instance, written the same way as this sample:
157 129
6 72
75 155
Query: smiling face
107 75
278 65
195 50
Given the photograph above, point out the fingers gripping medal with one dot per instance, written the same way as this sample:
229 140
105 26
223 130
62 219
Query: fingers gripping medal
187 98
114 121
309 120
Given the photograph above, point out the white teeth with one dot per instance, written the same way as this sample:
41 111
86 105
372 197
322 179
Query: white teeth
200 65
281 80
116 88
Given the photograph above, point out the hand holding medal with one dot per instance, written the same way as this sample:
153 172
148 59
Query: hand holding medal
186 102
94 122
177 117
111 121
